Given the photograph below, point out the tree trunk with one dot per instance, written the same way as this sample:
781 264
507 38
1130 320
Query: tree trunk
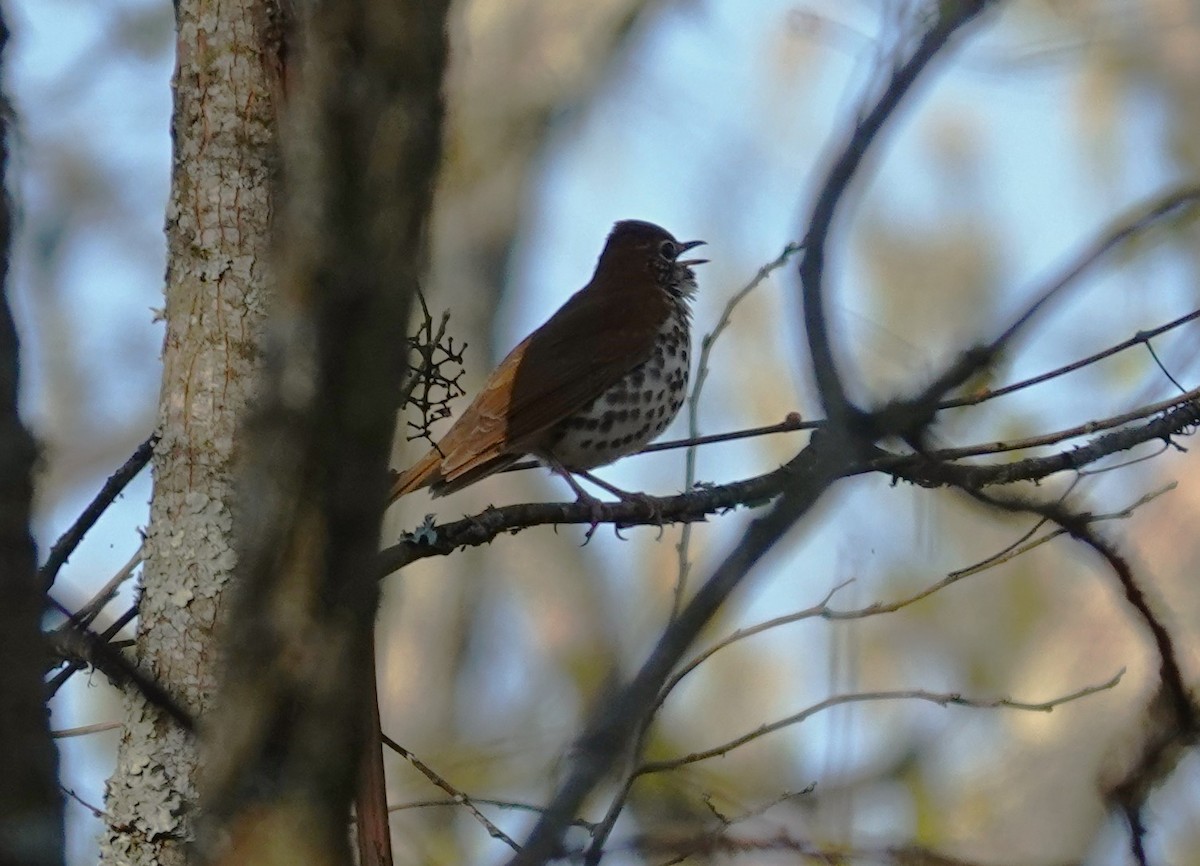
217 273
362 150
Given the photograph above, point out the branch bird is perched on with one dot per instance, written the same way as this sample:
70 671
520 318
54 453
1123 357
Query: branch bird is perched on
601 378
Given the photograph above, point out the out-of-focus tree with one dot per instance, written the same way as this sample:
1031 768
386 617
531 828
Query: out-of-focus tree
31 810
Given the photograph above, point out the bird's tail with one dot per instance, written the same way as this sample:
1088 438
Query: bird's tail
426 471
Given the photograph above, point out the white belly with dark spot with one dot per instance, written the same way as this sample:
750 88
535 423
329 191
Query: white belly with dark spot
633 412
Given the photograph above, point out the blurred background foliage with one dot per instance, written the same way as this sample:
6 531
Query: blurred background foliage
712 118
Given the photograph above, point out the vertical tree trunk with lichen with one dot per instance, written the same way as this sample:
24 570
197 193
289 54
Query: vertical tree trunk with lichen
225 92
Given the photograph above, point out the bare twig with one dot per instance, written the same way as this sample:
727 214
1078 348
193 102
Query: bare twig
609 732
117 482
456 795
96 812
1169 205
950 18
1024 544
436 353
96 650
1088 428
821 608
719 845
928 470
693 407
483 801
85 730
1141 338
88 613
1163 745
79 653
944 699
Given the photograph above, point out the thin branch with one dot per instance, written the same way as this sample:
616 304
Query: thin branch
1139 339
1175 716
605 827
86 730
88 613
96 650
957 575
720 846
693 407
927 470
907 417
951 17
1163 368
484 801
1023 545
117 482
456 795
823 610
790 424
1115 466
1168 205
435 352
78 653
96 812
1086 429
944 699
609 732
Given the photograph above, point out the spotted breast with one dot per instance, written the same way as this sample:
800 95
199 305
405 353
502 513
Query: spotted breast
636 409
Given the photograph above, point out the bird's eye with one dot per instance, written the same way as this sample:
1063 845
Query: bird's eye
668 250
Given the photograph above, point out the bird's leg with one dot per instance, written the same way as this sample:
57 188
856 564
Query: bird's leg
581 495
625 496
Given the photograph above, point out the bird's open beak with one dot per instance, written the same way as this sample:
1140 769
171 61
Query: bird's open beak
683 248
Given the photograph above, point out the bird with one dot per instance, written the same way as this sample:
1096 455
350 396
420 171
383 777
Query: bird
601 378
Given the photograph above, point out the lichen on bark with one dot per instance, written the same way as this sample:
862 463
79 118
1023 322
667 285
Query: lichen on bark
217 277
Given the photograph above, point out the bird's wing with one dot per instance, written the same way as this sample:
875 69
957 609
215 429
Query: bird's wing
580 352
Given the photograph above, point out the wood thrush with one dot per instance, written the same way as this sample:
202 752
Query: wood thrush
601 378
